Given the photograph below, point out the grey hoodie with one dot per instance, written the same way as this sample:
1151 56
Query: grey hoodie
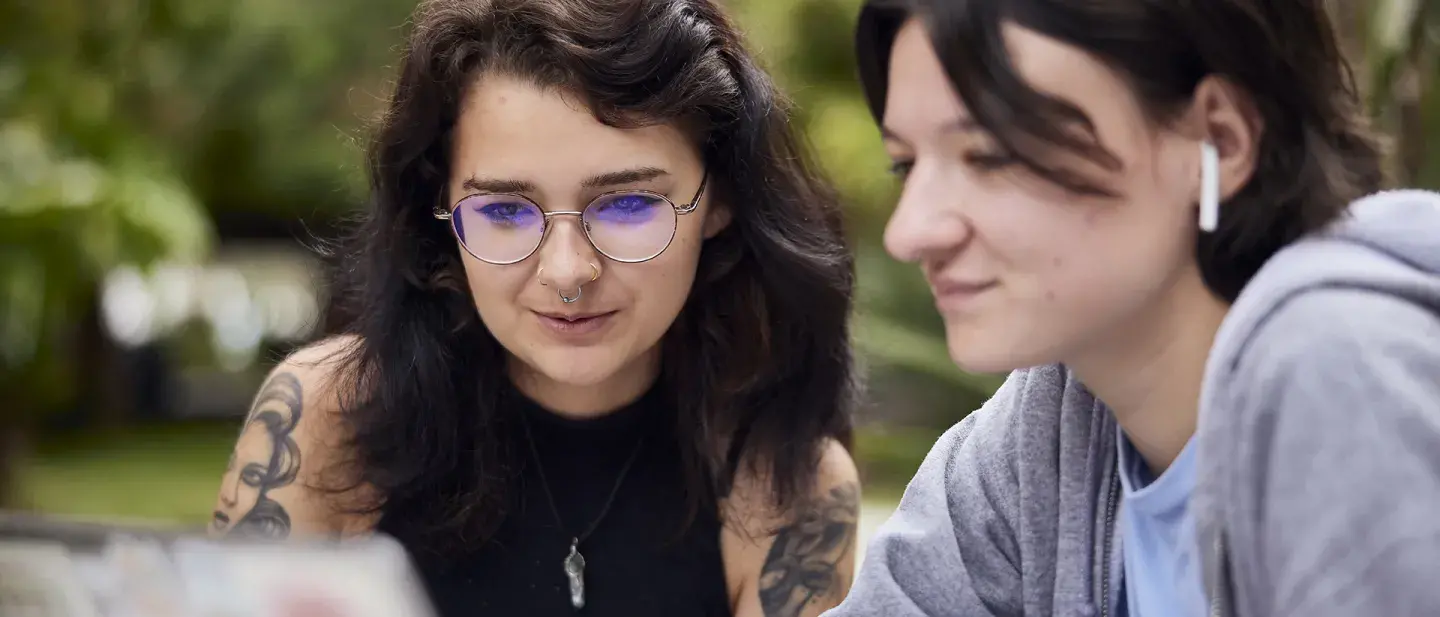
1318 488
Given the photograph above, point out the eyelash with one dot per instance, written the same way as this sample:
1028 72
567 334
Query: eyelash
989 160
984 161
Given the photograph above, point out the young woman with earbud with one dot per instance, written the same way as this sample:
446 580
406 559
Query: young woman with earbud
1163 218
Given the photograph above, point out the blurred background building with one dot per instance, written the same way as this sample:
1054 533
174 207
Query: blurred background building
168 167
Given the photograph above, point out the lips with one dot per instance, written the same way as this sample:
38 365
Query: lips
573 317
575 327
947 288
958 295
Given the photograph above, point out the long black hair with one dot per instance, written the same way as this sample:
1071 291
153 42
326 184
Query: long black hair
758 364
1317 153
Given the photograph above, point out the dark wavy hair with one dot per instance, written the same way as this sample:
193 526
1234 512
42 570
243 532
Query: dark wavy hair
1316 154
758 364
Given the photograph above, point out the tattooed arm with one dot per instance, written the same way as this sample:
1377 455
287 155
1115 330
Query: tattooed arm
270 488
801 564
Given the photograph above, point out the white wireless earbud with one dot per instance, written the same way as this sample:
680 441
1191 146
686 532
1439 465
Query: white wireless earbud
1209 187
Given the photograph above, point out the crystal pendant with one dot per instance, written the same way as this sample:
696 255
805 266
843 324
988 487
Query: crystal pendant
575 571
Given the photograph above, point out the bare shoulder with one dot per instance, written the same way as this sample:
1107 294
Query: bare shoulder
315 376
799 562
289 457
748 504
317 372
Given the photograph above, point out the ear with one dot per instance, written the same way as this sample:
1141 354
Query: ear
717 218
1226 116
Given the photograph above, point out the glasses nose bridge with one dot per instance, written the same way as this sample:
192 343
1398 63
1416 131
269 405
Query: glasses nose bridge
579 215
554 213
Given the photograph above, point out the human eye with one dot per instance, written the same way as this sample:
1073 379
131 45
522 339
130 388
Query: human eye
627 207
508 214
989 160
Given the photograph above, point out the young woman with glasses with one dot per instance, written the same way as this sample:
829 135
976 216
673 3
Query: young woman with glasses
600 362
1163 218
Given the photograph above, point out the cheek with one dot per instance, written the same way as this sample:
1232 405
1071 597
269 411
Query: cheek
1070 268
660 286
1083 268
1045 254
494 287
679 262
1033 243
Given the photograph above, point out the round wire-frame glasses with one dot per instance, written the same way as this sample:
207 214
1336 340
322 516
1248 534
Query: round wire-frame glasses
679 210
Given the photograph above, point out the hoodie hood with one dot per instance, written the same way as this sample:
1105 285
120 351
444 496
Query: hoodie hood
1404 225
1386 243
1387 246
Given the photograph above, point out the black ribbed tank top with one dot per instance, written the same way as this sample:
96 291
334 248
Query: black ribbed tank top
636 563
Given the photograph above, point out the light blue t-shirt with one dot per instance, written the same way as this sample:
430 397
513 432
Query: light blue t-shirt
1157 537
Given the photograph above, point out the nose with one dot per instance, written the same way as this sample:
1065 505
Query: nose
229 487
926 223
567 260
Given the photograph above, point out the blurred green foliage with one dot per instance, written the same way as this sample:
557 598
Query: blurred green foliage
83 185
126 125
1401 47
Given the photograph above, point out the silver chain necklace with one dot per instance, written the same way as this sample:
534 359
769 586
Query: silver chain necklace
575 562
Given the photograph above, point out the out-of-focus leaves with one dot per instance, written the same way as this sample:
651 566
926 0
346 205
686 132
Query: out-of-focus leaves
840 129
1402 63
64 222
106 213
82 186
125 121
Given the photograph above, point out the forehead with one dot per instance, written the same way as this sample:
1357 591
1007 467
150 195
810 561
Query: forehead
508 126
914 102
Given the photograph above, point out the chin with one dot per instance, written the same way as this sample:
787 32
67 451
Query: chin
579 376
990 351
575 367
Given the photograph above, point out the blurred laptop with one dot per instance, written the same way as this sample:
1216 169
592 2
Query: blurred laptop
60 568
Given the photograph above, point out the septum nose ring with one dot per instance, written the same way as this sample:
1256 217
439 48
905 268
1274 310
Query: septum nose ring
579 289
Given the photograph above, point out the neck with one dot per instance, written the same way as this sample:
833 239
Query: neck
590 400
1149 372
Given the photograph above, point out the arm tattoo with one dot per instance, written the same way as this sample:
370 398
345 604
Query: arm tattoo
265 459
802 563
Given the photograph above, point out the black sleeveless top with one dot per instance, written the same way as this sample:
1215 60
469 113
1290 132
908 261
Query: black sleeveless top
636 563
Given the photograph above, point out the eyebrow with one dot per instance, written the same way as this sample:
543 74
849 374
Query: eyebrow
624 176
962 125
478 184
